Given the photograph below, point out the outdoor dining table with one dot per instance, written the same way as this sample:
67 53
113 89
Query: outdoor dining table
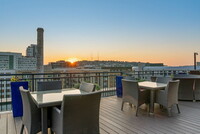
45 99
152 86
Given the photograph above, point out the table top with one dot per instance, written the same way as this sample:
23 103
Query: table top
152 85
53 97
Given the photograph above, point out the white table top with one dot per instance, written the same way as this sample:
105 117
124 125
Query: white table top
152 85
53 97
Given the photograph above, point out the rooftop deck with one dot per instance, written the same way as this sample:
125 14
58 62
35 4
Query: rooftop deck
113 120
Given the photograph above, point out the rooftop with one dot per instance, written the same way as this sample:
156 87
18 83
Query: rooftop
113 120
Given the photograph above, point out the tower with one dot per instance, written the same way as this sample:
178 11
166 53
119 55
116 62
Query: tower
40 59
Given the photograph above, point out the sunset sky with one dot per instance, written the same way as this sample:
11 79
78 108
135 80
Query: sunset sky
166 31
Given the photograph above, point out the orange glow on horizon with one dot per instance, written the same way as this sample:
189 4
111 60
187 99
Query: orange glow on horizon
72 60
169 60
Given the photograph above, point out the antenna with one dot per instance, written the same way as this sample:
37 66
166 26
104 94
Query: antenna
91 57
98 56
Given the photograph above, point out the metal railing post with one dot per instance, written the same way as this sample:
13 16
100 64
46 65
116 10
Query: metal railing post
33 82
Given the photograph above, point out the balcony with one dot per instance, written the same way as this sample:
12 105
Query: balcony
113 120
106 81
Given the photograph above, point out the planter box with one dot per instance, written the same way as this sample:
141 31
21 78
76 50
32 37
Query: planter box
119 85
17 106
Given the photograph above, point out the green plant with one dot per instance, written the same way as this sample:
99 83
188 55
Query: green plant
97 87
77 85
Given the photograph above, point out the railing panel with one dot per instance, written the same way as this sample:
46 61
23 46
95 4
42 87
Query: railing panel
105 80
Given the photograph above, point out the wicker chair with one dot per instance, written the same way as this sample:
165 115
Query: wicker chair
49 85
133 95
163 79
79 114
197 89
87 87
129 78
153 78
31 114
186 91
169 96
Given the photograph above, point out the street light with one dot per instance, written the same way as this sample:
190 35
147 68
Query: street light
195 63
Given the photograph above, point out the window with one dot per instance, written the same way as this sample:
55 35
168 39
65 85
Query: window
8 96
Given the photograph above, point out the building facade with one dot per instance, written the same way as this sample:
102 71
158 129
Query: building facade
31 50
9 61
15 61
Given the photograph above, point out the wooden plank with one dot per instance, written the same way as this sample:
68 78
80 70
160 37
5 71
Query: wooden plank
115 121
137 121
3 123
107 128
18 125
127 125
102 131
118 127
167 125
11 124
140 125
177 123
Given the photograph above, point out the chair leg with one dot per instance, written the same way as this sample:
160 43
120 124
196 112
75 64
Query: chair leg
122 105
137 107
169 111
51 132
22 128
178 108
130 105
161 106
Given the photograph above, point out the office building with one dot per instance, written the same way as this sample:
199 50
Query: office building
15 61
31 50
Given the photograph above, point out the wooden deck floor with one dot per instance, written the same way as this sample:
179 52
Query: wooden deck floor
115 121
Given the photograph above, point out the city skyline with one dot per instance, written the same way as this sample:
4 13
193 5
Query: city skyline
138 31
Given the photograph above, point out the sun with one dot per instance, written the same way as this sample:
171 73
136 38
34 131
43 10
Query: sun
72 60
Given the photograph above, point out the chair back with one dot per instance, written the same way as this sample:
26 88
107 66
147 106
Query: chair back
172 92
49 85
129 78
185 91
197 89
80 113
31 114
163 79
153 78
87 87
130 90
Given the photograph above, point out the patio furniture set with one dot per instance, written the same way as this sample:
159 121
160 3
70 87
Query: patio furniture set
163 91
189 88
61 110
77 110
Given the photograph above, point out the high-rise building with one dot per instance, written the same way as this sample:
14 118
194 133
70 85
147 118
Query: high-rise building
15 61
9 61
31 51
32 61
5 85
27 63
